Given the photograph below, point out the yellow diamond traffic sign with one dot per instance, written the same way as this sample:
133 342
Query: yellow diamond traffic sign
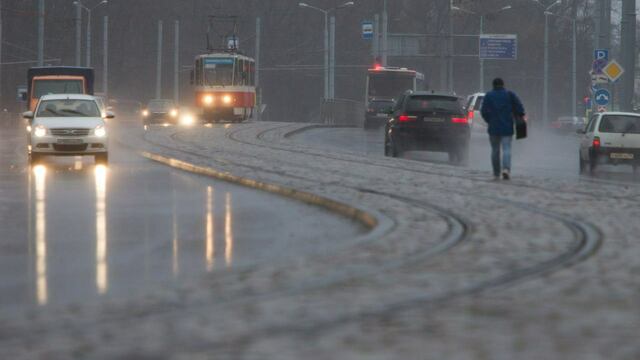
613 70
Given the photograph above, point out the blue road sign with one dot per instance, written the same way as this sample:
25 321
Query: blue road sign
367 30
601 54
498 47
602 97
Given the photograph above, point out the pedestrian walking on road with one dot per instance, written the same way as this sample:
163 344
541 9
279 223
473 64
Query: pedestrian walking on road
498 109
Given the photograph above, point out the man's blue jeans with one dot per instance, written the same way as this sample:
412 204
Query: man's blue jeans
498 142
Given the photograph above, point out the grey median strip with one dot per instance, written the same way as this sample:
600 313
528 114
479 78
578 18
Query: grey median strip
368 220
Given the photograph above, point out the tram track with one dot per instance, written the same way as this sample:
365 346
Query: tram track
587 238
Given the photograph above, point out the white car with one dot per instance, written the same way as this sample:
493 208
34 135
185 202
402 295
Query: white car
68 124
610 138
474 104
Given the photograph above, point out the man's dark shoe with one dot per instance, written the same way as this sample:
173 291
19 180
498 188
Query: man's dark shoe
505 174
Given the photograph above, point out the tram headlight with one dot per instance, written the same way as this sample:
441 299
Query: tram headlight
208 100
173 112
227 99
145 112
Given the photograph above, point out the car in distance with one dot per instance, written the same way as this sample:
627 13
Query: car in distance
65 125
473 106
567 124
428 121
377 113
159 111
610 138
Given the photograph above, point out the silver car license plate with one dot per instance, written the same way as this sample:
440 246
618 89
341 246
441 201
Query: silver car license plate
433 119
622 156
382 115
70 141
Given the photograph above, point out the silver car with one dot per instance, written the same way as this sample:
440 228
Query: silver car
65 125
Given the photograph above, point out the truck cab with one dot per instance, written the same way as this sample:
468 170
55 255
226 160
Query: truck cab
57 80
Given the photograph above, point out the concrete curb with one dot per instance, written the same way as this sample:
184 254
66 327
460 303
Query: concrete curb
370 221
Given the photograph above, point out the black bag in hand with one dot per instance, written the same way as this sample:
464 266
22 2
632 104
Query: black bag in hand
521 126
520 122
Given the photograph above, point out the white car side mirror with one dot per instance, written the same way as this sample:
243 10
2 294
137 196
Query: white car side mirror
27 115
109 115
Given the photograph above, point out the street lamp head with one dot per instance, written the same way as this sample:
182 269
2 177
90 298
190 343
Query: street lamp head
348 3
506 8
303 4
104 2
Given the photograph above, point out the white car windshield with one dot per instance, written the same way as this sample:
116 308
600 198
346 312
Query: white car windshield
626 124
68 108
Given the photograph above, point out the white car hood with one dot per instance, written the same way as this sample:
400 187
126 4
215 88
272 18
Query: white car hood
69 122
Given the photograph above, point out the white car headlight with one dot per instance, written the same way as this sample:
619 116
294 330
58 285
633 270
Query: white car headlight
187 120
40 131
173 113
145 113
100 131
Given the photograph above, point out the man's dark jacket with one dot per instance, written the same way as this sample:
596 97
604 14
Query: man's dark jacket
498 108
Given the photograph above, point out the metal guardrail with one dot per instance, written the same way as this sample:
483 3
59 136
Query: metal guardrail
342 112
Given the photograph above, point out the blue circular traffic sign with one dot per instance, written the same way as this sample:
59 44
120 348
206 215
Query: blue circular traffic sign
602 97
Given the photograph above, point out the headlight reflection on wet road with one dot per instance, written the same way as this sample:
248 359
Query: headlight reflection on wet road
42 291
102 266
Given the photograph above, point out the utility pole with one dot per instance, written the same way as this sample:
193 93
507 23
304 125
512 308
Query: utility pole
41 33
376 37
105 56
88 49
332 58
176 63
257 70
628 52
545 82
385 34
78 21
0 53
574 60
450 49
159 63
326 56
482 89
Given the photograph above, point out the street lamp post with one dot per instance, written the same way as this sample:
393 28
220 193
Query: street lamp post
327 50
573 60
482 15
88 10
545 86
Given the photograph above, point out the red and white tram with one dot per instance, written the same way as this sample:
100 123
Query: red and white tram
225 86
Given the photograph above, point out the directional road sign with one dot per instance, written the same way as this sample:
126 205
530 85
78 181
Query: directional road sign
601 54
602 97
597 79
367 30
613 70
598 66
498 47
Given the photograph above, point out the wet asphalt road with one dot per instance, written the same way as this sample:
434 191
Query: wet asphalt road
541 154
76 232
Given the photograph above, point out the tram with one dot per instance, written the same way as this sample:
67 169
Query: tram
224 84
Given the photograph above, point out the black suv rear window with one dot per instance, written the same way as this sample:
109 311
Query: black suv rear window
421 103
620 124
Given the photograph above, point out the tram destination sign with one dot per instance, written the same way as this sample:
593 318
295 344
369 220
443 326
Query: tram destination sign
498 46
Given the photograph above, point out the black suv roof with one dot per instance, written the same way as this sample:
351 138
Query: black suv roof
431 92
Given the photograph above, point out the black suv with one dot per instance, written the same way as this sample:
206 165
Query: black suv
428 121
